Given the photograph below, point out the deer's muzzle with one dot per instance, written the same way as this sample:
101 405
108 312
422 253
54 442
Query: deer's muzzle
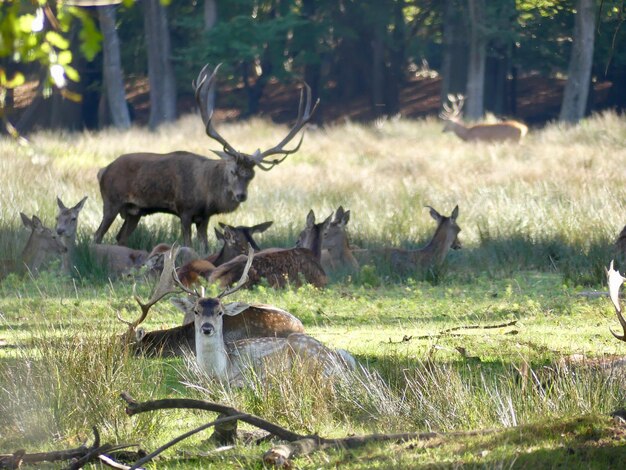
207 329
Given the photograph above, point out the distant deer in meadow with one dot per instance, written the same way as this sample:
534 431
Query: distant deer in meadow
337 254
42 243
428 257
256 321
281 266
615 281
117 259
486 132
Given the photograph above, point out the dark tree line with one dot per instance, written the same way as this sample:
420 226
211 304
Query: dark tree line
347 49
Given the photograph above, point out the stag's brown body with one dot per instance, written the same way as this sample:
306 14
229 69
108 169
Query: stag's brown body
185 184
497 132
258 321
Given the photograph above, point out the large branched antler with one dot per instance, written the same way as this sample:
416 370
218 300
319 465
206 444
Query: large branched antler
453 110
203 87
165 286
615 281
244 277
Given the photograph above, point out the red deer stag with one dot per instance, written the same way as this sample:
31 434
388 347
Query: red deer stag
281 266
431 256
117 260
42 243
496 132
256 321
615 281
185 184
229 361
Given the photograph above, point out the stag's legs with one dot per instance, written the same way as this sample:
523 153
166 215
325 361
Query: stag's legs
128 227
202 228
109 215
185 221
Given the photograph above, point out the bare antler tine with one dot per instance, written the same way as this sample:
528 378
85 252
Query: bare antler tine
244 277
615 281
164 287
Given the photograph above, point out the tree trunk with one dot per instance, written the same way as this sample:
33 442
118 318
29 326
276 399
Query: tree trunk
160 71
112 68
397 53
210 14
378 71
579 71
477 57
454 64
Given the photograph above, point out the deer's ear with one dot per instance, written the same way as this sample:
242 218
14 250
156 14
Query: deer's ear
139 334
60 204
37 222
455 213
219 235
338 214
235 308
80 205
261 227
183 304
310 218
26 221
346 218
434 214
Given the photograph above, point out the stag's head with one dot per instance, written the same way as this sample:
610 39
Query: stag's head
240 165
452 112
67 218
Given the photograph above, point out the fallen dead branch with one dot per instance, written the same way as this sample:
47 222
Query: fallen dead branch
450 331
297 444
79 456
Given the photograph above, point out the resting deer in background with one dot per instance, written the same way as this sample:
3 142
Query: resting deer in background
431 256
117 259
281 266
228 362
336 254
41 244
185 184
496 132
256 321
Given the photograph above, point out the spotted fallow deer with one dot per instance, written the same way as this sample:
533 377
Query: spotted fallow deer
486 132
428 257
229 362
336 252
257 320
281 266
186 184
42 243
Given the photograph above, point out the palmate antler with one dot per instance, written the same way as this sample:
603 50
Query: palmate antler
615 281
165 286
203 87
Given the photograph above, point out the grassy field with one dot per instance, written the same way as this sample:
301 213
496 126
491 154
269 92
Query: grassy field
538 223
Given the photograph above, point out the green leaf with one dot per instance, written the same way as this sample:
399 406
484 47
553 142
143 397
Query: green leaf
64 57
57 40
72 73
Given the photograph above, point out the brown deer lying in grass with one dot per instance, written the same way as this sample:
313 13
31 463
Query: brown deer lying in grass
118 260
229 361
337 254
235 241
428 257
281 266
496 132
41 244
256 321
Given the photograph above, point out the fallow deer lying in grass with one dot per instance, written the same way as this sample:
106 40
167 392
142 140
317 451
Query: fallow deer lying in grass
487 132
337 254
235 241
117 259
429 257
229 362
256 321
41 244
281 266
